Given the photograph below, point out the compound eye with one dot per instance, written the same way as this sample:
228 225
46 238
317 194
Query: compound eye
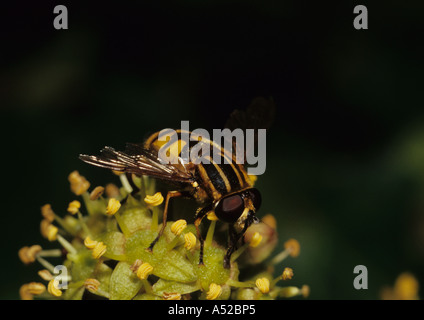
229 209
256 198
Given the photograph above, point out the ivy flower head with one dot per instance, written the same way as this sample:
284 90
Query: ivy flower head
102 238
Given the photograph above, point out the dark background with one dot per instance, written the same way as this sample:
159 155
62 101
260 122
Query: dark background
345 158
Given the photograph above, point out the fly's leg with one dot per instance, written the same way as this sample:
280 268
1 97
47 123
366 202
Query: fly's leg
232 244
198 219
169 195
234 237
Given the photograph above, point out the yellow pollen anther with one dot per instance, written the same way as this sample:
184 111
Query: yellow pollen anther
29 290
112 191
53 289
24 293
99 250
36 288
47 212
406 286
112 206
195 184
270 220
178 226
212 216
256 240
155 200
214 292
28 254
45 274
92 285
74 207
44 225
90 244
293 246
190 240
96 193
144 270
171 296
262 284
305 290
52 232
287 274
33 250
79 184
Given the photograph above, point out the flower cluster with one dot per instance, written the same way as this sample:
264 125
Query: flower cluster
103 241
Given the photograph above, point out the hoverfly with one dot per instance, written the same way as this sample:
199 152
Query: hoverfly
222 187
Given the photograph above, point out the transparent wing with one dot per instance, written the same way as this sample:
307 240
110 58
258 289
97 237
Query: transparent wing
138 161
259 114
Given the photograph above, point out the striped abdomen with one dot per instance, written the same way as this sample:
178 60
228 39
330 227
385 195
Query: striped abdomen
217 178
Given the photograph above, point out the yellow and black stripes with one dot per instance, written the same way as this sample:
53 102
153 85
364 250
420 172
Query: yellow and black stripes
217 173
